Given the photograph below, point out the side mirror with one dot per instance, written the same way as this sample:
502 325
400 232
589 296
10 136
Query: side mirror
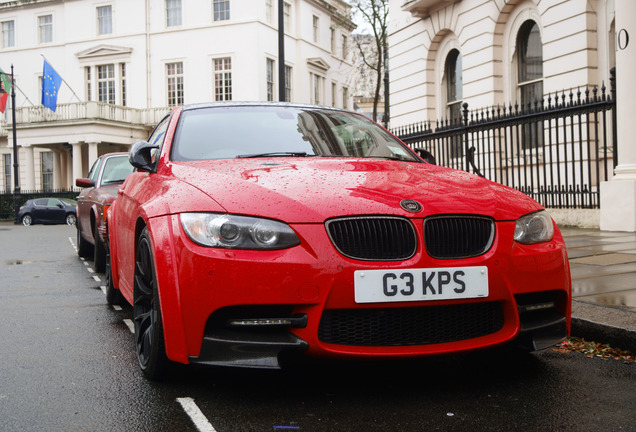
84 182
140 155
426 155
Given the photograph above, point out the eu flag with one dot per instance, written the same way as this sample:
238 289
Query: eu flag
51 82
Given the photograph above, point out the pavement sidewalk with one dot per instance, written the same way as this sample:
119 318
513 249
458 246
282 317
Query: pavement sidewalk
603 268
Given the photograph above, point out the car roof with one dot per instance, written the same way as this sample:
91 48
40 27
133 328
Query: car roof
191 107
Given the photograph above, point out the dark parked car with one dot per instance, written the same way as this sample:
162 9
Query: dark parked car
100 189
253 231
48 211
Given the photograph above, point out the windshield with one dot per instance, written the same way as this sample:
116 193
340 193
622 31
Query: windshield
274 131
116 169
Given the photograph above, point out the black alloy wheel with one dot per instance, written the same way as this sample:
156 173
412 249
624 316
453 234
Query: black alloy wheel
149 341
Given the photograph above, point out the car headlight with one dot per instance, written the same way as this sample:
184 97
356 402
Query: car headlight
237 232
534 228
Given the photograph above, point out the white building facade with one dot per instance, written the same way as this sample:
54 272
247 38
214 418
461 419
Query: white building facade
126 62
489 53
568 44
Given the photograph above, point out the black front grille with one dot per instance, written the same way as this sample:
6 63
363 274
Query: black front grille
373 238
452 237
410 326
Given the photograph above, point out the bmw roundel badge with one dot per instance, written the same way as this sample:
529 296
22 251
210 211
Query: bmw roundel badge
411 205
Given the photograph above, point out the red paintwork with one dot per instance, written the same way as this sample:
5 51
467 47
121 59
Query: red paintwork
91 202
194 281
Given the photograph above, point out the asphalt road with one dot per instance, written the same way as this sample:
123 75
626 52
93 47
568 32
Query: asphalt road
67 364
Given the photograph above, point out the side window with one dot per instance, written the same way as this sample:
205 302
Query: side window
41 202
158 135
53 202
92 174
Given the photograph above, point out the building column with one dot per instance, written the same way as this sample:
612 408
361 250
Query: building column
618 196
29 166
92 153
77 161
57 170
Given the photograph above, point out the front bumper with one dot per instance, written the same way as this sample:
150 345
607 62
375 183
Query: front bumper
205 292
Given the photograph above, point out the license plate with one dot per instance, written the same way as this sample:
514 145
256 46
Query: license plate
446 283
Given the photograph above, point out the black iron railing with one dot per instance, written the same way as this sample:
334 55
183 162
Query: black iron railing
557 150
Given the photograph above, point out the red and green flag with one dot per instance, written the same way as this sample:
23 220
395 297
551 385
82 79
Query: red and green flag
5 89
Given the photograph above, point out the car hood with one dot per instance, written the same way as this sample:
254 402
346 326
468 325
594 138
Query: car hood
311 190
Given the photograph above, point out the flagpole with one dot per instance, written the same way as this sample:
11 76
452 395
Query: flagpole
63 80
25 96
16 170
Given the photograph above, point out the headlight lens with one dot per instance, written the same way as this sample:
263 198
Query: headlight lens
534 228
237 232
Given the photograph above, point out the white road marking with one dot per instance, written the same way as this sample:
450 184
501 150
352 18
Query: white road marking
97 279
117 307
130 325
90 270
195 414
103 288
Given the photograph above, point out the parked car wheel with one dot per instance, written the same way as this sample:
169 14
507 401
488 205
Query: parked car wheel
149 339
99 253
113 295
27 220
70 219
83 247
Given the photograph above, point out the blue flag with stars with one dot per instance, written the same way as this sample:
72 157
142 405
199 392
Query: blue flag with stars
51 82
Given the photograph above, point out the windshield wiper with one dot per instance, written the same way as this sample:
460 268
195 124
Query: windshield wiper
394 158
104 182
272 154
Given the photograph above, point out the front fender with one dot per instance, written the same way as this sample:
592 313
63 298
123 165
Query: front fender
161 229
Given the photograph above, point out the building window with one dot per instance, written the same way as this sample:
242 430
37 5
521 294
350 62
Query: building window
287 17
270 79
344 46
530 77
89 83
288 84
8 34
223 79
173 13
345 98
122 70
333 40
104 20
174 74
221 10
45 28
47 171
269 11
333 94
316 22
454 83
316 88
7 172
106 83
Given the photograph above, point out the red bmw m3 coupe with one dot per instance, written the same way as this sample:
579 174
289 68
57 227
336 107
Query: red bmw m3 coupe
250 230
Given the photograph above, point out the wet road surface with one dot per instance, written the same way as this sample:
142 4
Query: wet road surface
67 363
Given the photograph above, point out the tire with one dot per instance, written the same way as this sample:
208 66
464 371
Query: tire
99 252
114 297
149 339
27 220
70 219
84 248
